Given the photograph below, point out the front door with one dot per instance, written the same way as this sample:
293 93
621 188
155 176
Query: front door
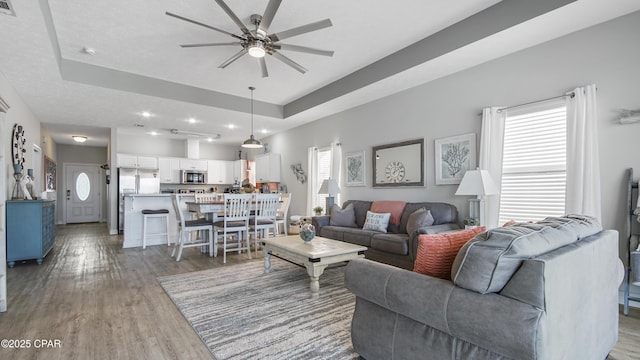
82 193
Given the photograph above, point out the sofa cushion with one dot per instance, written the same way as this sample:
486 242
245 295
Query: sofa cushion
442 213
417 219
391 243
395 208
376 222
343 217
436 252
486 263
360 207
358 236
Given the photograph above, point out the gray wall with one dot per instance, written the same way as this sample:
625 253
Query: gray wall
606 55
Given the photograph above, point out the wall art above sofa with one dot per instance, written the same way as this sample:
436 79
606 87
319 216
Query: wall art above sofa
399 164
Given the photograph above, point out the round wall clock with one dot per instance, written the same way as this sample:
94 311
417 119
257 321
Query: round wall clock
394 172
17 146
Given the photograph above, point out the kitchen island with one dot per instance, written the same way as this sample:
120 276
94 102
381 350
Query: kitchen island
133 206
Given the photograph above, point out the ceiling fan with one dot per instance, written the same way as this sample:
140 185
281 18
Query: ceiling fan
258 42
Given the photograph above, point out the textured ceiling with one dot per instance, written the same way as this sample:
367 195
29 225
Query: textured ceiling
138 65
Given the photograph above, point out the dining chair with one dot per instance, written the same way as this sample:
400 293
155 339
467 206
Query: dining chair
283 213
207 198
264 216
235 221
187 227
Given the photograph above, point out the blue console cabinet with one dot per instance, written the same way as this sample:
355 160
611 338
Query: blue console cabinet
30 229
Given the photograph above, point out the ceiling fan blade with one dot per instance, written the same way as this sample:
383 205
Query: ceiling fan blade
201 24
233 17
303 49
263 67
301 30
268 15
209 44
235 57
289 62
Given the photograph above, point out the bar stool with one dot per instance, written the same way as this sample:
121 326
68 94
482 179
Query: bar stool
160 214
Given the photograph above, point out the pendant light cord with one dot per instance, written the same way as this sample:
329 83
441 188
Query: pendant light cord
251 88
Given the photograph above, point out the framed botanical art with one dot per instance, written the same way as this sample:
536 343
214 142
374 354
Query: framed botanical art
49 173
399 164
355 169
454 156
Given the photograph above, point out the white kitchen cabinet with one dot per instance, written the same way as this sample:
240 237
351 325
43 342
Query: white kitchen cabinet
169 169
191 164
268 168
240 171
139 162
219 172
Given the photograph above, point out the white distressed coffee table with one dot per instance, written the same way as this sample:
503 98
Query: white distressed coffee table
314 255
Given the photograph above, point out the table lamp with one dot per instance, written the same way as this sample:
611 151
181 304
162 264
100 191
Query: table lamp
330 187
477 182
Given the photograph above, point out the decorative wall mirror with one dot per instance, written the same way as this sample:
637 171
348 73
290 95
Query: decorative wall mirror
399 164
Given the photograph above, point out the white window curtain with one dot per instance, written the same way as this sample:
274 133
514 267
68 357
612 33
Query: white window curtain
336 166
583 165
490 159
4 162
312 160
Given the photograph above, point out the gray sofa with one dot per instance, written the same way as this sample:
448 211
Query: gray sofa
395 247
539 291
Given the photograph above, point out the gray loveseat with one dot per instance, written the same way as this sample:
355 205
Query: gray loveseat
539 291
395 247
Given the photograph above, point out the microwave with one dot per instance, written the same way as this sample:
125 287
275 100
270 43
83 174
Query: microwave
193 177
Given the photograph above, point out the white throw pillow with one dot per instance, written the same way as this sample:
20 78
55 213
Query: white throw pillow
376 221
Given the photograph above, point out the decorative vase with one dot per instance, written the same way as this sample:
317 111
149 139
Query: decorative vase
307 232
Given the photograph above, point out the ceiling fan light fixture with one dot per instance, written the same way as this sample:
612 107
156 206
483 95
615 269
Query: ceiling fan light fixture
251 142
256 49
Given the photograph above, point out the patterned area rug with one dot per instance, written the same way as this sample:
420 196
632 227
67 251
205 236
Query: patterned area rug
242 313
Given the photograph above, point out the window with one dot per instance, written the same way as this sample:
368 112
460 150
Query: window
323 172
324 163
534 163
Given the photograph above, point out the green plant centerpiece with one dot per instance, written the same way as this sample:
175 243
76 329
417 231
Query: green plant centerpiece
471 222
318 210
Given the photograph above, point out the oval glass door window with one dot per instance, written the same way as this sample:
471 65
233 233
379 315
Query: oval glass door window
83 186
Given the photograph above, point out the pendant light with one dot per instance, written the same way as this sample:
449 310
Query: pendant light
251 142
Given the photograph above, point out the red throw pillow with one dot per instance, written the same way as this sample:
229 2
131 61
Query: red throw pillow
436 252
395 208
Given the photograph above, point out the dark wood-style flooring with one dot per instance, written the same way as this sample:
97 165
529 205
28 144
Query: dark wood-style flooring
104 302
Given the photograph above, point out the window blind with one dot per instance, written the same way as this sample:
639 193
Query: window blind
534 164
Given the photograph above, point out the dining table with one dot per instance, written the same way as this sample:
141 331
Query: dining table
211 209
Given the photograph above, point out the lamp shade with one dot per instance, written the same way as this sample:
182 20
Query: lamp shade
477 182
329 186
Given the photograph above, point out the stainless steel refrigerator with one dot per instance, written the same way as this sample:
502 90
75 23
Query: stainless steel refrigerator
135 181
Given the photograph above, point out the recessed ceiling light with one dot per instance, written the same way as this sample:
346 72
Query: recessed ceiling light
79 138
210 139
264 131
145 114
191 120
154 133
